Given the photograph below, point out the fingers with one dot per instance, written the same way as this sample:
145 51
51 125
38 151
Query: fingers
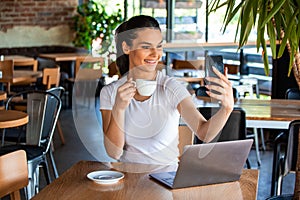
221 85
223 77
226 72
128 89
124 94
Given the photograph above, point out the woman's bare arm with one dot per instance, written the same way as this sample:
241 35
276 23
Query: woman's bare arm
113 120
207 130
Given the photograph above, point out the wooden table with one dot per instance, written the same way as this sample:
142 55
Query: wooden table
63 57
18 58
12 118
22 75
25 75
59 57
73 184
273 114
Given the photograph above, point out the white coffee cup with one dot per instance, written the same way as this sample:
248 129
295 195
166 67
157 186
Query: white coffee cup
145 87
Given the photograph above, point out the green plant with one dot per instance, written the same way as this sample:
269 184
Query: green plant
278 19
93 22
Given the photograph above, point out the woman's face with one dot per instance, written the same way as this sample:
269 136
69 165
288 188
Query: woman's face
146 50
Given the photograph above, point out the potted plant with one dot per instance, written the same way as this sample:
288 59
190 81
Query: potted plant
94 23
278 19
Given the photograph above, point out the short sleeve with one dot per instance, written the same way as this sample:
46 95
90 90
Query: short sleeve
175 91
106 100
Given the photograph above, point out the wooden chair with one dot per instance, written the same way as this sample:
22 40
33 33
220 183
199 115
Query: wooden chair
186 137
232 68
88 60
13 174
43 109
51 77
25 65
87 68
32 65
87 74
6 67
2 98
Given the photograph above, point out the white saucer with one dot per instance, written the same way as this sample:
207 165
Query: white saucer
105 177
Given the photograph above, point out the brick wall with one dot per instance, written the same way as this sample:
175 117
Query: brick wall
36 22
45 13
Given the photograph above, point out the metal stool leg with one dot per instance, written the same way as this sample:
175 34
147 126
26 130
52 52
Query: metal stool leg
256 146
262 138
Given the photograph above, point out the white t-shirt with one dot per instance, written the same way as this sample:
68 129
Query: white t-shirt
151 126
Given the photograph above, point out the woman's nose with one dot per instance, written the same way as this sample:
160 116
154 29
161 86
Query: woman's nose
154 51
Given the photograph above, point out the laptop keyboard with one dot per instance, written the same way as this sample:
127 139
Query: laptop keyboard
170 179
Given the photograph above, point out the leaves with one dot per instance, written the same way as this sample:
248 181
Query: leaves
274 10
93 22
274 16
248 24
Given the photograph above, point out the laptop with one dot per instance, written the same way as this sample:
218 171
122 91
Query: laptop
209 163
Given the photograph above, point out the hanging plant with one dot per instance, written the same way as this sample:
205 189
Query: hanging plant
92 22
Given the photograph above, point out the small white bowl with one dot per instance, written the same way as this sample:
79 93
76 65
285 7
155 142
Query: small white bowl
105 176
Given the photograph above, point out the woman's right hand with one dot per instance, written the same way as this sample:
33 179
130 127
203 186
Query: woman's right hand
124 94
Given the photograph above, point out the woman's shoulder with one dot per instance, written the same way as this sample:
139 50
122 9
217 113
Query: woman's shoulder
163 78
166 80
113 85
116 83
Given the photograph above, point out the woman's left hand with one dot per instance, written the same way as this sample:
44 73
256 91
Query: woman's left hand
223 87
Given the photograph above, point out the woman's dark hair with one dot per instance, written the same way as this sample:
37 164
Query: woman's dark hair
127 32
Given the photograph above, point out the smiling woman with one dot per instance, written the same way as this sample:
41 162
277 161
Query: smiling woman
143 128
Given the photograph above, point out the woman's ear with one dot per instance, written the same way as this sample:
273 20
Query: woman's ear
125 48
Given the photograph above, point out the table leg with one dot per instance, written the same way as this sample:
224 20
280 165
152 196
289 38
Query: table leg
256 146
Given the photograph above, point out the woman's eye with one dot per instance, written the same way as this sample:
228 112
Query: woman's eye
146 47
159 46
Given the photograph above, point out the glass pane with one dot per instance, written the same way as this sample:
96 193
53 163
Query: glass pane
189 16
215 25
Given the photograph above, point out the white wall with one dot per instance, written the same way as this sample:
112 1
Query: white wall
28 36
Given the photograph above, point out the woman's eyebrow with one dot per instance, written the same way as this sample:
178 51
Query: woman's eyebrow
145 43
148 43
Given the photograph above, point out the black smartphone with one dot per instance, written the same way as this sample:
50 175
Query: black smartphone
217 62
213 61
